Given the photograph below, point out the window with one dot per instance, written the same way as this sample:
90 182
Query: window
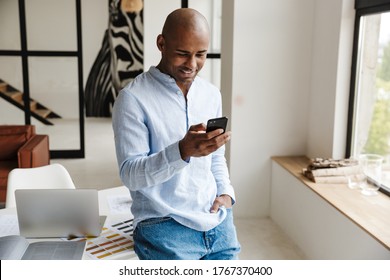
369 111
41 71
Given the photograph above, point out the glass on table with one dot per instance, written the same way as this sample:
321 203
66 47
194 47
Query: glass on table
356 177
355 181
371 165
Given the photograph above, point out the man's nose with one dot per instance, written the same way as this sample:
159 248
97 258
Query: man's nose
191 62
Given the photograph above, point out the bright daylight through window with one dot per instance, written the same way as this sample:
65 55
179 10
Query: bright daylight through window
371 119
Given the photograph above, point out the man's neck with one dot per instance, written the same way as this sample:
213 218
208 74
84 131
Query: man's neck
185 88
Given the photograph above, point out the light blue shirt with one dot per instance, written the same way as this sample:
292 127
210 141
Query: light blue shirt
150 117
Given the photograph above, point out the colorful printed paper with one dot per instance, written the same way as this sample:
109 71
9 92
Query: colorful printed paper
115 242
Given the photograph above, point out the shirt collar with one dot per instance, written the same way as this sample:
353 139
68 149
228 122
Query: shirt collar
160 76
165 78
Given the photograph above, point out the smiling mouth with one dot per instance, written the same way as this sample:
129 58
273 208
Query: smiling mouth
188 73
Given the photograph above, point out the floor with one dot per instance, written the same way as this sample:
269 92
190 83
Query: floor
260 238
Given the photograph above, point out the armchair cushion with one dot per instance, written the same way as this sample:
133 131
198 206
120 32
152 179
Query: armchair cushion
20 147
34 152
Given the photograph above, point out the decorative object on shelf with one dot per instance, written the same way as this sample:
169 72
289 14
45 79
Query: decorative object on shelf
335 171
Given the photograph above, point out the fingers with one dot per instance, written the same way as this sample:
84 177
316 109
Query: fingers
214 133
197 143
206 144
221 201
215 207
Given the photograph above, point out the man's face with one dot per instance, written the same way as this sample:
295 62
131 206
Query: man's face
183 54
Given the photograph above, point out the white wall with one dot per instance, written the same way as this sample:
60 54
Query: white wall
331 68
155 12
270 92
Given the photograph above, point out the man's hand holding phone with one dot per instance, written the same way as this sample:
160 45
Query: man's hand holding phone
196 143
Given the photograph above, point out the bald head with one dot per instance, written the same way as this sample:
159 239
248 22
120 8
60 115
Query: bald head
183 45
185 19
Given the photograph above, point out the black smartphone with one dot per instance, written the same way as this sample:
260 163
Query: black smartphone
213 124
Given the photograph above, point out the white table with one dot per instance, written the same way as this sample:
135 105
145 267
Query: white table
111 202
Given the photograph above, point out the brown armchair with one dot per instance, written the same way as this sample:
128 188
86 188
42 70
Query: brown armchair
20 147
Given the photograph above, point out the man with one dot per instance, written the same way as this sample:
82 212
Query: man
176 172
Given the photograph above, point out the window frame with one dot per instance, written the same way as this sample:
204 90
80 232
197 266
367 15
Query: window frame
25 53
363 8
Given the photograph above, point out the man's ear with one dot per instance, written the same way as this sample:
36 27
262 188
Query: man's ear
160 42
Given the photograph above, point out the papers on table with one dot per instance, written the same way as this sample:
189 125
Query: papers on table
119 204
9 225
115 242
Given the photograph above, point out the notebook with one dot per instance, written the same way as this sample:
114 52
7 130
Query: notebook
59 213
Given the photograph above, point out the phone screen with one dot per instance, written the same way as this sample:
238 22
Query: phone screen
217 123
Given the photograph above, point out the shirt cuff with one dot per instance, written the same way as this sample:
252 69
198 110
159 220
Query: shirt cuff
172 153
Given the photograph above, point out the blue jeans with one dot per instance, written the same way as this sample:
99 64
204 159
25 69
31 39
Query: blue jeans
166 239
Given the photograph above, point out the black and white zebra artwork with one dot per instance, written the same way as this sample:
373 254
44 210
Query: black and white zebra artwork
120 58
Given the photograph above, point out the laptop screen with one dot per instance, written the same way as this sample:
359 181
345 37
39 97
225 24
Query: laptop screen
61 213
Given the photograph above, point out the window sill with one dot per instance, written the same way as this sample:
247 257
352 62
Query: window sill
369 213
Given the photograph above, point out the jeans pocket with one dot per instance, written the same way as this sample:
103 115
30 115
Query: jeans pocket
153 221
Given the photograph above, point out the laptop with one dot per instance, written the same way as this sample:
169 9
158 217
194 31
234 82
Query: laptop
58 213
